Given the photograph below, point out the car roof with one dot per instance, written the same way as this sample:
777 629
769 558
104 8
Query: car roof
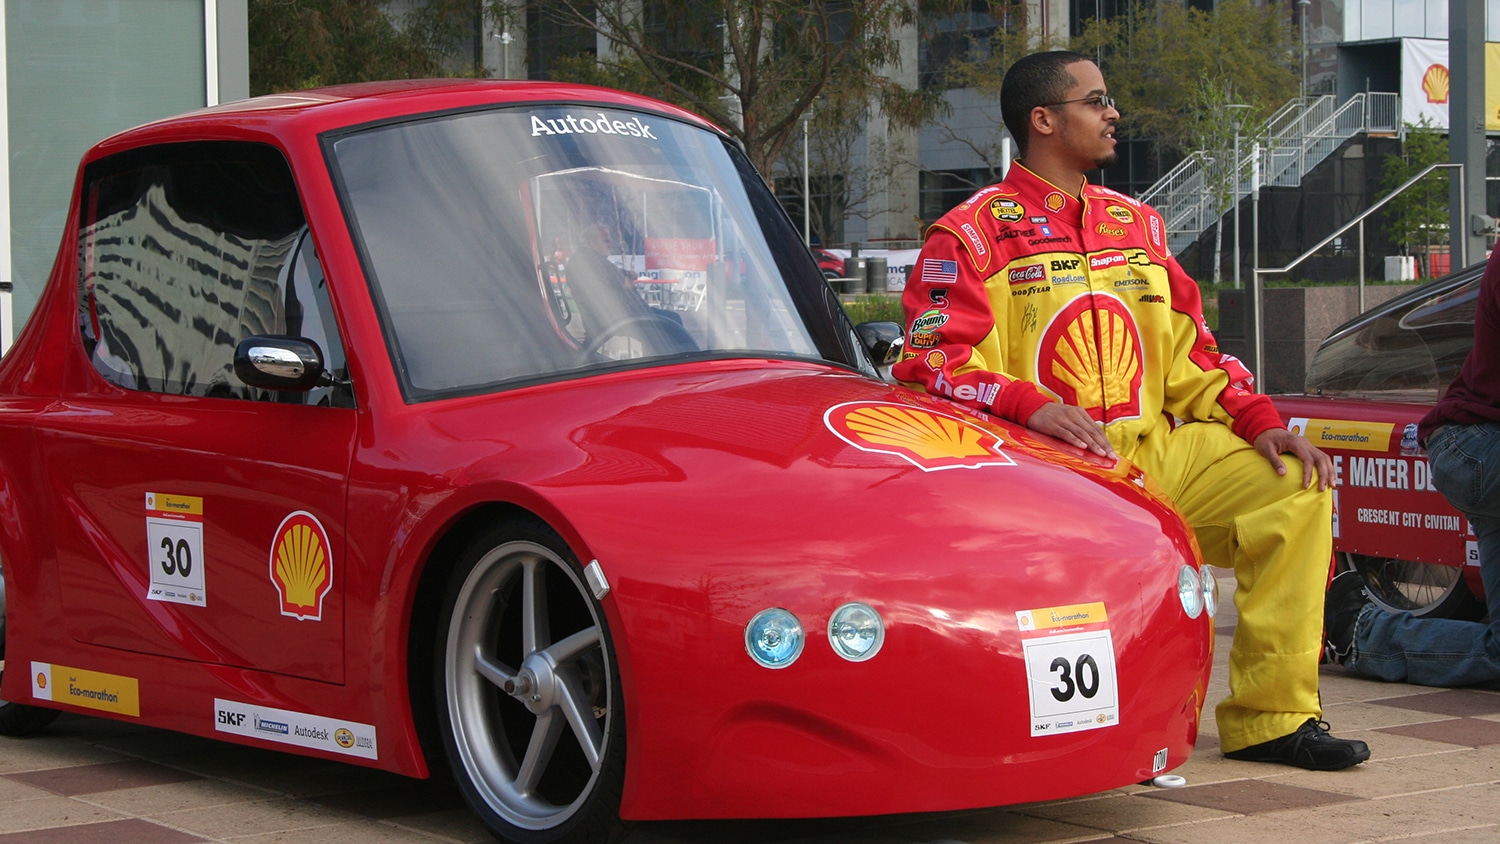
319 110
1436 287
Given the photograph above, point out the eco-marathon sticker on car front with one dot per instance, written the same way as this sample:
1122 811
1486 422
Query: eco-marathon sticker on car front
301 729
1070 668
174 540
926 439
88 689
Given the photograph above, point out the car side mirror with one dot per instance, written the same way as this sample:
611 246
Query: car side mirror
279 363
882 340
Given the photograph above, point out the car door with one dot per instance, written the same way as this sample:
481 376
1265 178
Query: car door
199 518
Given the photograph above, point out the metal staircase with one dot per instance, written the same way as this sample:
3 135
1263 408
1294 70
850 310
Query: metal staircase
1293 141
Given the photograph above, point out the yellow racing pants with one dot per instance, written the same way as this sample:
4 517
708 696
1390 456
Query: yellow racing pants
1278 538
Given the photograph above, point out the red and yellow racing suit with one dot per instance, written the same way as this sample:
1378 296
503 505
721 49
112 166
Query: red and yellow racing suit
1025 294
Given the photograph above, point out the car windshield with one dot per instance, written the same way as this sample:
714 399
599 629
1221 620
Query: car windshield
527 243
1409 351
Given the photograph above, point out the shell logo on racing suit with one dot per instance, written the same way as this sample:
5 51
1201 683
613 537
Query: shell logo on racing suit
1090 356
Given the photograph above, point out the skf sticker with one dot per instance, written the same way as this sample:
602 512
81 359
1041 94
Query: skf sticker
1344 434
1121 213
174 545
1007 210
926 439
1070 668
301 729
1110 231
302 566
86 689
1055 201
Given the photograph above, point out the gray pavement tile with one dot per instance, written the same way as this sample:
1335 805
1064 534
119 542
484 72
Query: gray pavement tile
1456 702
1473 732
1249 797
47 812
130 831
108 776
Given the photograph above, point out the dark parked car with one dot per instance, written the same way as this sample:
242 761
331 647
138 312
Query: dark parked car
1369 384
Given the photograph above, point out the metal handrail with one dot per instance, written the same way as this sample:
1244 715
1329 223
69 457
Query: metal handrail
1358 220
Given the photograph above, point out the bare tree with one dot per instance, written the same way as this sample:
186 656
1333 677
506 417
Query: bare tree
754 67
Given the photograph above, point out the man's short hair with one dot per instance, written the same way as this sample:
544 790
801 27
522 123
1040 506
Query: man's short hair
1035 80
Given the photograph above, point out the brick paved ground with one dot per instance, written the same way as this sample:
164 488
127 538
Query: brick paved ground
1435 777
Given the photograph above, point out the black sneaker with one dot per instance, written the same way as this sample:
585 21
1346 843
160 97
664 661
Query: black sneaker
1310 747
1346 597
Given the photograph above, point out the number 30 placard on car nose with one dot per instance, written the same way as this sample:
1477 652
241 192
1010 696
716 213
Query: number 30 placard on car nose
1070 668
174 543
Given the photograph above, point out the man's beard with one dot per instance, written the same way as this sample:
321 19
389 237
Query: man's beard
1106 160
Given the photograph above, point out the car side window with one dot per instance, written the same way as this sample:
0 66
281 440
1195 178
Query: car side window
187 249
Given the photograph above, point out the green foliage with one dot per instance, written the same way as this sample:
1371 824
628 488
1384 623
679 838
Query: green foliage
1171 67
306 43
1158 59
875 308
1417 218
754 67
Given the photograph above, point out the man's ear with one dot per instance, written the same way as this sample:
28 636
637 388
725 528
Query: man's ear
1043 121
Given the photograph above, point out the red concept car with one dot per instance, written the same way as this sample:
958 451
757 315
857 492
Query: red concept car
1368 386
510 427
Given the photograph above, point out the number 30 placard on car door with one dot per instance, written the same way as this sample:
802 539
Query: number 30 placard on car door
1070 668
174 542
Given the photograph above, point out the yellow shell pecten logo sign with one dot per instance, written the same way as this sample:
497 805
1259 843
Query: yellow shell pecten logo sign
1435 84
925 438
302 566
1090 356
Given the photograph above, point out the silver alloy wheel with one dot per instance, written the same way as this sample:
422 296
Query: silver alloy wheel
561 677
1426 590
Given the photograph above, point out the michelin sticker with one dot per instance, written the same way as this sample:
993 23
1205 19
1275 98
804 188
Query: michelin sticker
333 735
1070 668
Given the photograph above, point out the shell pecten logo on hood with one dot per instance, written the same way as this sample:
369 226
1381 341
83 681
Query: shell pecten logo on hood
925 438
302 566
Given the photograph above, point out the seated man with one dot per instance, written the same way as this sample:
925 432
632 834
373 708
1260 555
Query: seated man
1462 437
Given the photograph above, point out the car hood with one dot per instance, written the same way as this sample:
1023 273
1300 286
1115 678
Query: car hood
774 464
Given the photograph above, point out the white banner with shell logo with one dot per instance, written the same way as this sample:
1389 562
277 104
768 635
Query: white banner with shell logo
1424 82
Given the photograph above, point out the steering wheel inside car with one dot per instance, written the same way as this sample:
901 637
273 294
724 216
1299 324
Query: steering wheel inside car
658 335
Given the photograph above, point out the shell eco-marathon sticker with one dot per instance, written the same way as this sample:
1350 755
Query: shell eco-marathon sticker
302 566
1343 433
1070 668
174 543
87 689
334 735
926 439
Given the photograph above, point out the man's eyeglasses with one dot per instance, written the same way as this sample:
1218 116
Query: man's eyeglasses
1101 102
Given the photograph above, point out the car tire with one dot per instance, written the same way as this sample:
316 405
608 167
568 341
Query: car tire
528 692
1426 590
18 719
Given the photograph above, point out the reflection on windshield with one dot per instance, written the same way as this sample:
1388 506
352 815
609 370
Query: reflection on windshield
1406 353
535 241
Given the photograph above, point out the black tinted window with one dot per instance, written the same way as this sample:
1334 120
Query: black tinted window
184 251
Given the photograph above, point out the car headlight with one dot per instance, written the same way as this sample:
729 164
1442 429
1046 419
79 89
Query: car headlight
1190 591
1210 591
856 632
774 638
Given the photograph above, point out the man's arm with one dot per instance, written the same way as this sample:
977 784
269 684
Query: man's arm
954 345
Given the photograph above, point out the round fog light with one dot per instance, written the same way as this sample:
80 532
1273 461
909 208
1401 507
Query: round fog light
856 632
1210 592
774 638
1190 591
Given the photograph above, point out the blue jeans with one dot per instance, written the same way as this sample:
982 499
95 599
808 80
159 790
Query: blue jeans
1465 462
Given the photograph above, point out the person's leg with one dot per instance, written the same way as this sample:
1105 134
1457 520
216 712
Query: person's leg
1465 462
1277 537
